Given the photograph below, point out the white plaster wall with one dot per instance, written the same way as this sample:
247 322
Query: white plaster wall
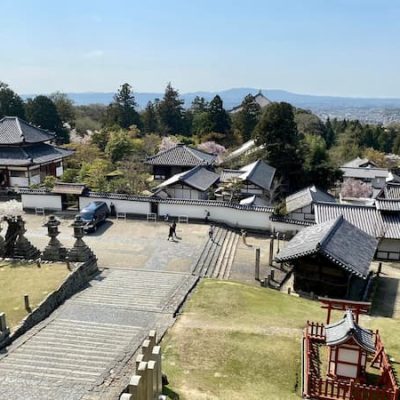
59 171
126 206
22 182
231 216
347 370
285 227
35 180
48 202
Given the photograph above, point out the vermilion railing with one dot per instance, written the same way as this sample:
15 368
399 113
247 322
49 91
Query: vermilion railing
329 389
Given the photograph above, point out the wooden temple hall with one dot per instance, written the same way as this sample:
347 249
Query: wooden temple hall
331 259
27 154
343 360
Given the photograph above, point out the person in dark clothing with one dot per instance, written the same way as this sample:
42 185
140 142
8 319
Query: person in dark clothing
171 233
174 229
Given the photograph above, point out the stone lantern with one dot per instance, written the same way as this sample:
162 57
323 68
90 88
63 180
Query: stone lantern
54 251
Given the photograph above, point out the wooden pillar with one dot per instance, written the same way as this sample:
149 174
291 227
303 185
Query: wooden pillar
26 302
271 250
142 372
257 266
379 269
3 322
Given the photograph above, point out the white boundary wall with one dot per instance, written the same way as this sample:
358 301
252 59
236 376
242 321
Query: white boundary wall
45 201
124 206
241 218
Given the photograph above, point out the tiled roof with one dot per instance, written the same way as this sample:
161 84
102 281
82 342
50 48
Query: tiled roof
388 204
337 240
346 329
292 221
229 174
199 178
69 188
366 218
390 191
364 173
30 155
254 201
359 162
259 173
306 197
182 155
14 130
260 99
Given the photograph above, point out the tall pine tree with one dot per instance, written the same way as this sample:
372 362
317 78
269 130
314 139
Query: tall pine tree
277 133
170 112
218 117
122 111
246 119
149 117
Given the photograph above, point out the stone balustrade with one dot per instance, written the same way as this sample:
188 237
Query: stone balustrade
146 384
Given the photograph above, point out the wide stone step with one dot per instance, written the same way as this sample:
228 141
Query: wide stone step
25 374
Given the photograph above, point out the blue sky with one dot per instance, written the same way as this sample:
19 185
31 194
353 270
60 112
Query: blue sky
331 47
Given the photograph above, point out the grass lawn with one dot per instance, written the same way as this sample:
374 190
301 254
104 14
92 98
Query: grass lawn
17 279
236 341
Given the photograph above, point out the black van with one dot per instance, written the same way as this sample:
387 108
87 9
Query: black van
94 214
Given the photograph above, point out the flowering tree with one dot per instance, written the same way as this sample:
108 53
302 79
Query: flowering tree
213 148
355 188
168 142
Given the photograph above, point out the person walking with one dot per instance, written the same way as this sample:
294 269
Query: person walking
171 233
206 216
174 230
211 233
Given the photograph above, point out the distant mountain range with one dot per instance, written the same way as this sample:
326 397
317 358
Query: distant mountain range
233 97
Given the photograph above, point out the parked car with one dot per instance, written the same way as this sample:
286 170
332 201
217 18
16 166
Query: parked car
94 214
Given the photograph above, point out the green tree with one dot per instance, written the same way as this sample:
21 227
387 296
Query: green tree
119 146
11 105
42 112
170 112
122 111
330 136
149 117
247 118
65 107
318 168
218 117
277 133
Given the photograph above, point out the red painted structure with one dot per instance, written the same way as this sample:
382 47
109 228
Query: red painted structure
327 385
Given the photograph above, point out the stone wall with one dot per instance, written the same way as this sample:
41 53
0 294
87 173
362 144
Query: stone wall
74 282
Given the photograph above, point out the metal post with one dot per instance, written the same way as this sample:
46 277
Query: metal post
272 275
3 322
257 268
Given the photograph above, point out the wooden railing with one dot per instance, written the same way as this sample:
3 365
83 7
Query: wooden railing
316 330
328 389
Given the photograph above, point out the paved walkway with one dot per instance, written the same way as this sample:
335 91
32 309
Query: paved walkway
132 243
83 348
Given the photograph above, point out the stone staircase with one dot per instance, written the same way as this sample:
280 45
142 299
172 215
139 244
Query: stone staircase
217 257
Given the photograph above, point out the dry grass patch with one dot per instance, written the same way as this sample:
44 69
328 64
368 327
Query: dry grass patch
17 279
236 341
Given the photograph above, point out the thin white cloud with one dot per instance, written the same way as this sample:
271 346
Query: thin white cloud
94 54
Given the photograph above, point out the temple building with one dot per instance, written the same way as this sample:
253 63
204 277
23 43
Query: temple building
27 155
178 159
357 365
331 259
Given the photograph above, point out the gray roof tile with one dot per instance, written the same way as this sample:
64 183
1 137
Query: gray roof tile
306 197
30 155
182 155
342 331
366 218
259 173
338 240
198 177
14 130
